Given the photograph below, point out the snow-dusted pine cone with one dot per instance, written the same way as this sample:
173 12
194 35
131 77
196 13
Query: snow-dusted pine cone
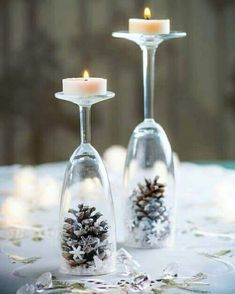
149 216
84 239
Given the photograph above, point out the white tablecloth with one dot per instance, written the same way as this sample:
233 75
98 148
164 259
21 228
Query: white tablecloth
205 226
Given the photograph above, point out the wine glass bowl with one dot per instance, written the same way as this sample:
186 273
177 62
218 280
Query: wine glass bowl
149 182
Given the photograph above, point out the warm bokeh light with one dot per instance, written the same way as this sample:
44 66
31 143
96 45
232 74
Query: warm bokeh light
25 180
86 75
147 13
115 157
14 211
37 191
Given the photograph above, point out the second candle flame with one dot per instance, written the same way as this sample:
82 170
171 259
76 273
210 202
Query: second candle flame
86 75
147 13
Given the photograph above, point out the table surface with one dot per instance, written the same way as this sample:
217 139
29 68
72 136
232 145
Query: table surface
205 235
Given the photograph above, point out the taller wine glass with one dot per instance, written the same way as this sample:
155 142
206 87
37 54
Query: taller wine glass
87 226
149 167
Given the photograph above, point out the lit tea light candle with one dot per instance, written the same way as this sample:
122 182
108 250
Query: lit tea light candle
85 86
148 25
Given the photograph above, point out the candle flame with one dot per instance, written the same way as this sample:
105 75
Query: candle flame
86 75
147 13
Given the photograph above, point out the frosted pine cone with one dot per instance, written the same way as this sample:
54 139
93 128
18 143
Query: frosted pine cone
149 216
84 237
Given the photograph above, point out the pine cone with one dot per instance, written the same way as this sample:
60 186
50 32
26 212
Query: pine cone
150 190
149 213
84 236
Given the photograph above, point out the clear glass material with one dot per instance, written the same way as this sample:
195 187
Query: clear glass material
87 226
149 167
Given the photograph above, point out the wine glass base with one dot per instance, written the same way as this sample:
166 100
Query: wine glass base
84 101
151 40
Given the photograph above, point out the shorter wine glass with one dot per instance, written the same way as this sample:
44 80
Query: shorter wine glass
87 225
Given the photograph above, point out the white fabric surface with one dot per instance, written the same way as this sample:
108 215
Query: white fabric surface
205 224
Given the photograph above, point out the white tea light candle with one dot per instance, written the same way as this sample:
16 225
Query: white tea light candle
148 25
85 86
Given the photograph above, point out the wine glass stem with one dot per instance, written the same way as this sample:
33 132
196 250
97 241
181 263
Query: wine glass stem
85 124
148 80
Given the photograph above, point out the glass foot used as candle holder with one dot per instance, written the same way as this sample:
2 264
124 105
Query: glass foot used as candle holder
87 226
149 168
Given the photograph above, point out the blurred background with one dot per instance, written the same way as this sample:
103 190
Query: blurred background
43 41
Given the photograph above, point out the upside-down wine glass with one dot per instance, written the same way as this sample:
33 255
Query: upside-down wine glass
149 167
87 226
